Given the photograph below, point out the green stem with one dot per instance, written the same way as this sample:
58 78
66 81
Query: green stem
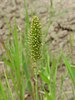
36 84
8 86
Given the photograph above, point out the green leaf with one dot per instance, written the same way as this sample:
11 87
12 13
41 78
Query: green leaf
45 78
70 69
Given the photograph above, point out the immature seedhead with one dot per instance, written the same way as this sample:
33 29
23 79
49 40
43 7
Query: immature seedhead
35 39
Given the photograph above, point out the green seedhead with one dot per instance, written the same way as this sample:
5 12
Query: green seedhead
35 39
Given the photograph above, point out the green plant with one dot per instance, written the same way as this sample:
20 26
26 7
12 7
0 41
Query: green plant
13 59
48 75
35 44
71 72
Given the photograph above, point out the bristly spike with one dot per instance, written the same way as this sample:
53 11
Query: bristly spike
35 39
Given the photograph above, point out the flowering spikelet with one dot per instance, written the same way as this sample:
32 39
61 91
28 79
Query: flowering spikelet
35 39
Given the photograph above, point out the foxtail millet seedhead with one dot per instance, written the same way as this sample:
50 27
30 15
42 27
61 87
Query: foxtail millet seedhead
35 39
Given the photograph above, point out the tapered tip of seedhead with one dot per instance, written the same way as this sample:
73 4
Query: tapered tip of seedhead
35 18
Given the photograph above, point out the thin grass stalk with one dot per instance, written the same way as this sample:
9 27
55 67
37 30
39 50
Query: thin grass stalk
25 56
36 84
3 95
9 88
